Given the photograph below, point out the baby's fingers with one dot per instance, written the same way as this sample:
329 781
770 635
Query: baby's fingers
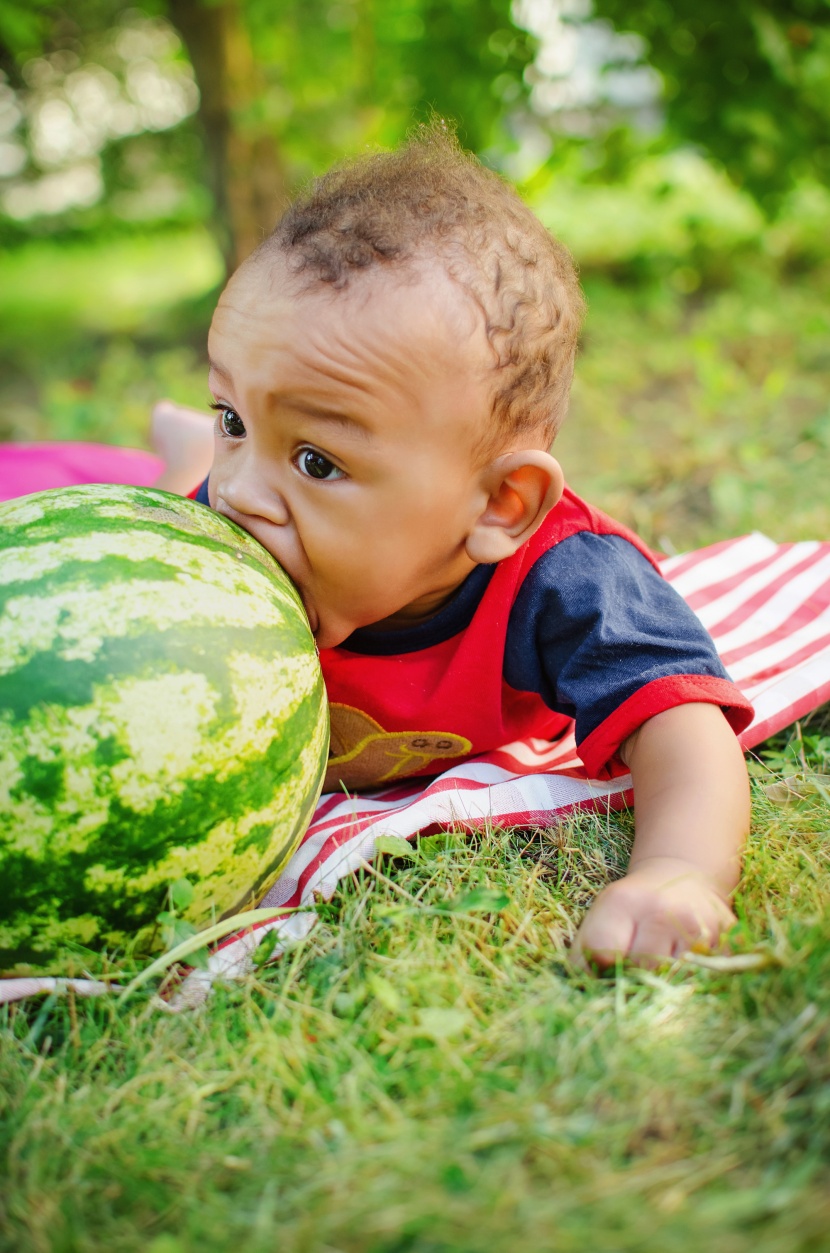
605 935
650 927
655 941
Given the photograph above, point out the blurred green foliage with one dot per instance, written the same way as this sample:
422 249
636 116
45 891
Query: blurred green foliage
95 331
345 73
285 90
298 84
700 405
748 82
334 69
696 417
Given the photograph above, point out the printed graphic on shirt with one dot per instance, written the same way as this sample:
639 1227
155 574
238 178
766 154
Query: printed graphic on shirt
363 755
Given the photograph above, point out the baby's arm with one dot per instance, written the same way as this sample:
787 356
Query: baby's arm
691 792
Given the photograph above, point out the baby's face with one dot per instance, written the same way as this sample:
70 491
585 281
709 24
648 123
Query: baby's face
346 438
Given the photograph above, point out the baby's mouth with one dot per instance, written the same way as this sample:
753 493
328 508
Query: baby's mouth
308 608
260 529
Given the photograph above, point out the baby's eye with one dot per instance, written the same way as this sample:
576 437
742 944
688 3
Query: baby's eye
230 423
315 466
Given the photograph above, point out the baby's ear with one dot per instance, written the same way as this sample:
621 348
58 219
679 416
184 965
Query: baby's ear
522 488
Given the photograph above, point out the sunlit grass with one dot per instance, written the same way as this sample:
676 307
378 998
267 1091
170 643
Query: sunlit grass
104 285
411 1078
695 419
95 333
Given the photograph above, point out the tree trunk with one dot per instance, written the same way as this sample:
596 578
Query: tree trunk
245 171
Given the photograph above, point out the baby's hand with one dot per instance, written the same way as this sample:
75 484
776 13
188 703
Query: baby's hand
660 909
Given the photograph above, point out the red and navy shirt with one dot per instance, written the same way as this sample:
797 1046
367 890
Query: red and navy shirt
577 626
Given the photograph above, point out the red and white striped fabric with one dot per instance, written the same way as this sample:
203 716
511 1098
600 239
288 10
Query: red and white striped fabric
766 605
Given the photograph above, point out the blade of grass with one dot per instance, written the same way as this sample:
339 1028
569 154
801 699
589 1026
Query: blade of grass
731 963
239 922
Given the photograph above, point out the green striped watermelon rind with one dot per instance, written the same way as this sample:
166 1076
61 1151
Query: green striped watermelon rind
157 674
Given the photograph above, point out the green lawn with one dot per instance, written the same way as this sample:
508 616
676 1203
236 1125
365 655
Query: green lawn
94 333
694 418
427 1073
421 1074
109 286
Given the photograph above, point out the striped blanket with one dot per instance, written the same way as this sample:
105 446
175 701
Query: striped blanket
766 605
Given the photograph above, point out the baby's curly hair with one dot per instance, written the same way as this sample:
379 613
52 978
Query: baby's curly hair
431 198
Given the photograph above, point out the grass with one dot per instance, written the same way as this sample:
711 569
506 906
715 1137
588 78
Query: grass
698 417
94 333
104 285
421 1074
427 1072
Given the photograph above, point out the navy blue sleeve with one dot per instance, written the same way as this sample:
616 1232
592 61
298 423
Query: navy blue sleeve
202 494
601 636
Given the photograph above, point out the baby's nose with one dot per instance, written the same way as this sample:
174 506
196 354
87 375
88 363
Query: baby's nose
244 496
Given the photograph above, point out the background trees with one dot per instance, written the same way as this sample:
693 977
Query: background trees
749 82
281 89
680 150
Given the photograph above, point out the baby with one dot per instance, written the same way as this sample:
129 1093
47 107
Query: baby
389 370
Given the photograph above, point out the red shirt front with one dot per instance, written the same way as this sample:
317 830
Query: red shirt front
443 694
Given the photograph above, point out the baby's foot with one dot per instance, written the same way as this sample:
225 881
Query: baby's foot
184 438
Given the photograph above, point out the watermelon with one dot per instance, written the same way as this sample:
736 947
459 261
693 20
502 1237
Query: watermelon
162 716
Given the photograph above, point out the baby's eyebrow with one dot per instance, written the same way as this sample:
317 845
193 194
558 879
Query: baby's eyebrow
318 413
216 368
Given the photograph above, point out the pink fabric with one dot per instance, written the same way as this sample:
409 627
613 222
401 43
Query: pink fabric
26 468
